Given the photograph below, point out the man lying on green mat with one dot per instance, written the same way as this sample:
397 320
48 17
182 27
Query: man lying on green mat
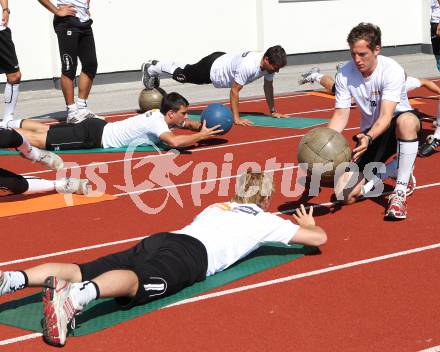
147 128
167 262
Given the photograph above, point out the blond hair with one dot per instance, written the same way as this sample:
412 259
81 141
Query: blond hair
253 187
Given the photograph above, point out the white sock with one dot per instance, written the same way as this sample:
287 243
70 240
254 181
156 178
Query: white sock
71 109
84 292
13 123
28 151
11 96
164 68
81 104
13 281
39 185
316 77
437 130
406 156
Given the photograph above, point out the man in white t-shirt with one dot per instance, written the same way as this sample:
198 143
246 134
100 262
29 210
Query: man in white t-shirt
388 123
433 141
224 71
8 64
165 263
147 128
73 27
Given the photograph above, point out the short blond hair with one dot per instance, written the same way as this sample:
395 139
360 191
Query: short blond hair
254 187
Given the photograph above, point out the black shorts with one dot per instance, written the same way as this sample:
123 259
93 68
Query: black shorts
164 263
75 40
84 135
11 183
8 57
384 146
435 40
200 72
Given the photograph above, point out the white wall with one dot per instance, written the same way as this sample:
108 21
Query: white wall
127 32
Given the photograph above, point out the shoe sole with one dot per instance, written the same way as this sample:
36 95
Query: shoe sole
394 217
49 311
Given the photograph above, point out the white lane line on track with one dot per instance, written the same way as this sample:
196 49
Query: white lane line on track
101 245
203 149
20 338
274 282
432 349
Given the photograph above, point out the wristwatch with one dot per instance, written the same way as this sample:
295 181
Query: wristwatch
7 10
273 110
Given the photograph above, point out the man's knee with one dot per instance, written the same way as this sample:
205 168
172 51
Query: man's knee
90 68
407 123
14 78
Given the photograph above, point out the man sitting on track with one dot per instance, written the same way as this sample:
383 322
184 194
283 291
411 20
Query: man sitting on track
11 183
224 71
218 237
377 84
149 127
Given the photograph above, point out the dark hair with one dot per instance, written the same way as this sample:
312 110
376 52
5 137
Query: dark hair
172 101
368 32
276 55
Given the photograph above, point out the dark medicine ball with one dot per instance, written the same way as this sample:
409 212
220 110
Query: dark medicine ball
218 114
323 145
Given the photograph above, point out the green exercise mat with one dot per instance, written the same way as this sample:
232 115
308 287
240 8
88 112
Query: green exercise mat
26 313
269 121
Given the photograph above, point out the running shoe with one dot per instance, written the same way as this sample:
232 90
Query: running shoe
429 147
68 185
149 81
396 209
309 76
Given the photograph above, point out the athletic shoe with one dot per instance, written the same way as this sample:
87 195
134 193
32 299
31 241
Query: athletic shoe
428 148
51 160
4 284
59 310
149 81
82 114
69 185
411 185
307 77
396 209
339 66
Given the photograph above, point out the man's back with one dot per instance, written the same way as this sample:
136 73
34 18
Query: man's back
231 230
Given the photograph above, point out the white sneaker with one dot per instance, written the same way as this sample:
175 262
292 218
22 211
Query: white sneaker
69 185
59 310
149 81
81 115
5 284
51 160
309 76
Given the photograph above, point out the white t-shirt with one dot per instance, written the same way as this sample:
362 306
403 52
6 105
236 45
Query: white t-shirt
387 82
242 68
435 11
143 128
81 6
230 231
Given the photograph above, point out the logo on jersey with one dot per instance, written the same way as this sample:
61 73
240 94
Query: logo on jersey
246 209
245 54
